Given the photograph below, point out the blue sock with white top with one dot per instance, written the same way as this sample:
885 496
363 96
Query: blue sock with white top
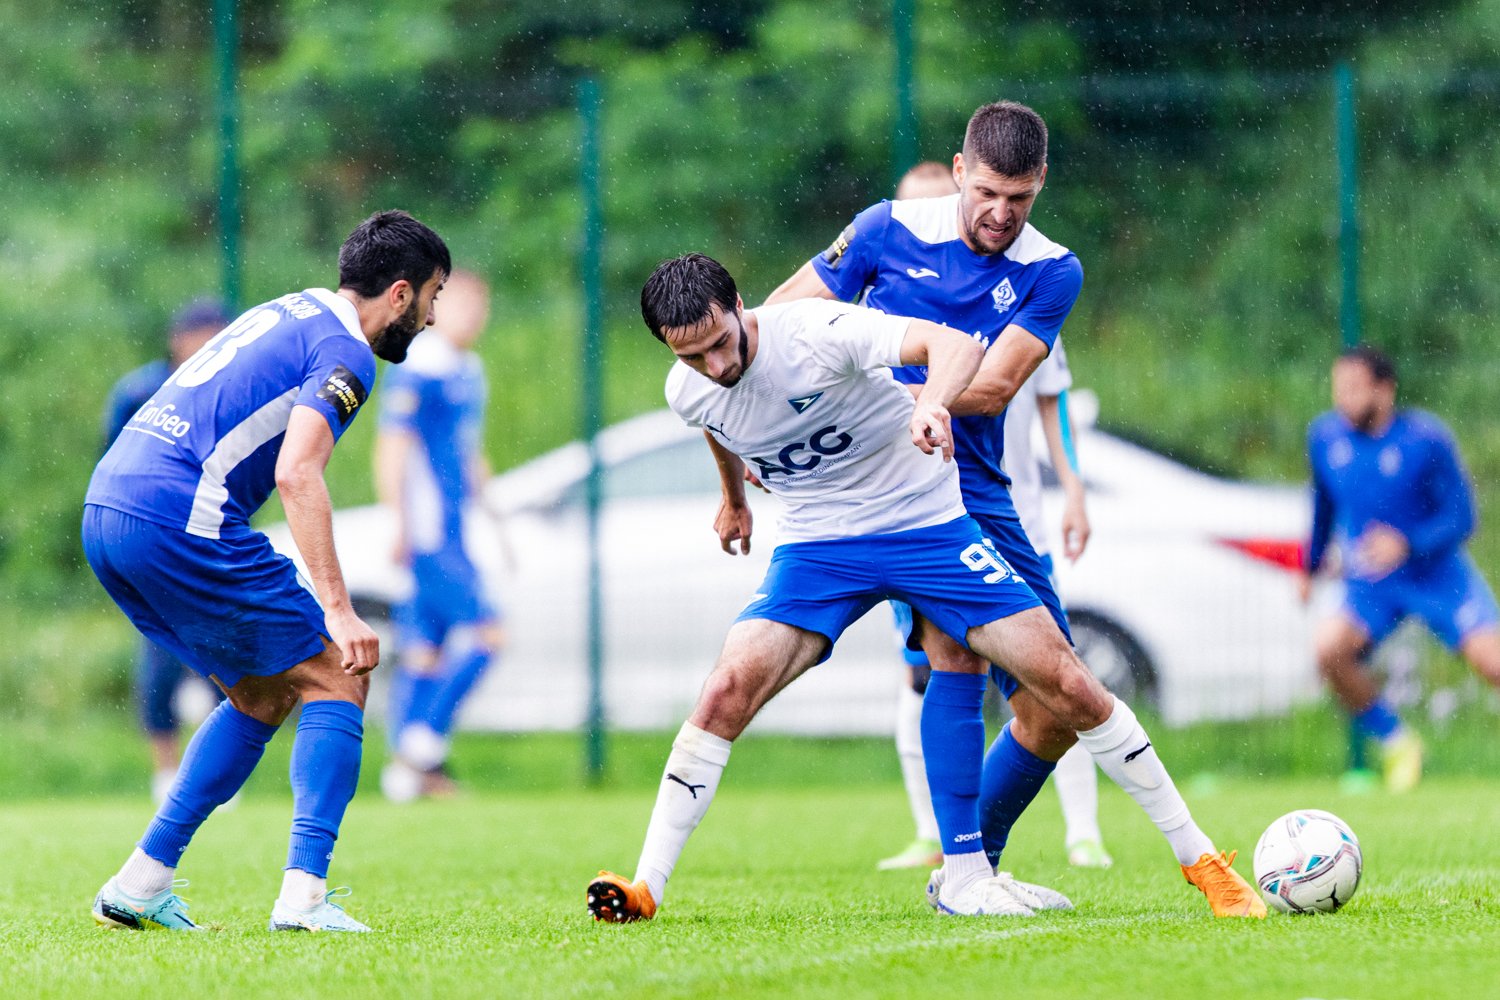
953 744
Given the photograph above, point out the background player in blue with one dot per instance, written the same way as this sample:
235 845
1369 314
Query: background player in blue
973 261
159 673
429 465
1389 486
166 529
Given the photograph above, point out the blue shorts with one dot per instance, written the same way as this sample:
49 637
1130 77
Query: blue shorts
947 572
1010 539
1451 597
227 607
446 593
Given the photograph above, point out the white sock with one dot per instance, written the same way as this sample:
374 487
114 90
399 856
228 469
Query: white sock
302 890
962 870
143 876
1125 753
913 764
687 787
1077 781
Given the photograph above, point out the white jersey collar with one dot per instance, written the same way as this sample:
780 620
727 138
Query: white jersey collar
342 308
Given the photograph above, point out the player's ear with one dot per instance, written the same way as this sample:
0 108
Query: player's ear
1041 179
958 169
400 294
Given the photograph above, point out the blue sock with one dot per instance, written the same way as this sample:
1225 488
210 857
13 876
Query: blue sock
1379 720
325 770
219 758
953 743
464 671
1012 777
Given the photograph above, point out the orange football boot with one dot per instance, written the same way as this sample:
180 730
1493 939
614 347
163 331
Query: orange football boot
617 900
1229 895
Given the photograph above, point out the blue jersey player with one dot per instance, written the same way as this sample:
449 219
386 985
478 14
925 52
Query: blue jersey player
1390 489
158 673
800 391
166 530
973 261
429 467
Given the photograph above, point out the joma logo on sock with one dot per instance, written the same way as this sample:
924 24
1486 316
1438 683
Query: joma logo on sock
962 837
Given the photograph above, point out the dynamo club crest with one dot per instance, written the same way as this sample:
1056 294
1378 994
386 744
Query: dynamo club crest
1004 296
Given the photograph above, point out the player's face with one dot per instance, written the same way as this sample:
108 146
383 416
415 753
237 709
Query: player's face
992 208
1359 397
717 348
392 343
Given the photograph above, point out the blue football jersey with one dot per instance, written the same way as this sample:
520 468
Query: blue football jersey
1409 477
438 396
910 260
200 454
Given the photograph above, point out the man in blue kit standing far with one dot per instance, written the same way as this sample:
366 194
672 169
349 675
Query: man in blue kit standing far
166 528
1389 487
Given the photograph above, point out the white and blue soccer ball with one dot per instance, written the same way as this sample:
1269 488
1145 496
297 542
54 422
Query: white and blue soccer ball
1308 861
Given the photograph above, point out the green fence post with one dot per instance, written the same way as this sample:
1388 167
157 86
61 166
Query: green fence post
591 410
226 41
904 139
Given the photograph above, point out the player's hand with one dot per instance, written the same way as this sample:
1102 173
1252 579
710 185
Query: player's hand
932 429
359 646
733 524
754 480
1075 528
1380 551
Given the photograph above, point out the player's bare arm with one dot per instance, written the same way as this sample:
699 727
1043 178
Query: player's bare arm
393 446
1075 520
805 284
734 521
952 359
1009 362
309 514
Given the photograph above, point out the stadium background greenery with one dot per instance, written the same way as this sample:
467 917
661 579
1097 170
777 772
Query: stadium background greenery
1194 177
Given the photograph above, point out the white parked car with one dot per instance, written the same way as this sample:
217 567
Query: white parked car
1182 601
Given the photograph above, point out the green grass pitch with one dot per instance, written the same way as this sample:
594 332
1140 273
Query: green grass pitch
776 895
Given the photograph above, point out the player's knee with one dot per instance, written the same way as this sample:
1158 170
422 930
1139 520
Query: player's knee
265 701
1085 702
727 703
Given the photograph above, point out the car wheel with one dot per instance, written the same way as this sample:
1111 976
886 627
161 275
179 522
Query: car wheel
1116 657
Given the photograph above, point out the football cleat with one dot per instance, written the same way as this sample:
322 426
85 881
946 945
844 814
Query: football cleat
1089 854
1032 896
1401 760
616 900
1229 895
988 897
326 916
166 911
920 853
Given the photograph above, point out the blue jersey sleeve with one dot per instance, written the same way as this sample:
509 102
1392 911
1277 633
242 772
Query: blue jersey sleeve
1051 299
1322 518
401 399
850 263
340 373
1452 516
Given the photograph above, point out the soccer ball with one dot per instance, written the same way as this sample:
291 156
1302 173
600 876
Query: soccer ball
1308 861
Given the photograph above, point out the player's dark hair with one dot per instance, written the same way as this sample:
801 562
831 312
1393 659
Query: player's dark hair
681 292
389 247
1008 138
1380 365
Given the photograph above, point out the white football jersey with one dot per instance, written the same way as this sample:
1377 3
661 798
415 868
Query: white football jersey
818 417
1021 464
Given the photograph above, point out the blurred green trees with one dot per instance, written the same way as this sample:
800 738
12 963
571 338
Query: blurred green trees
1191 171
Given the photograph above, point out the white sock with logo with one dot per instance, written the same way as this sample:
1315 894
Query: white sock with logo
962 870
913 764
1125 753
687 787
1077 781
142 876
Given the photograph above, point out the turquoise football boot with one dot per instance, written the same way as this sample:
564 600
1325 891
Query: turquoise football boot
326 916
166 911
